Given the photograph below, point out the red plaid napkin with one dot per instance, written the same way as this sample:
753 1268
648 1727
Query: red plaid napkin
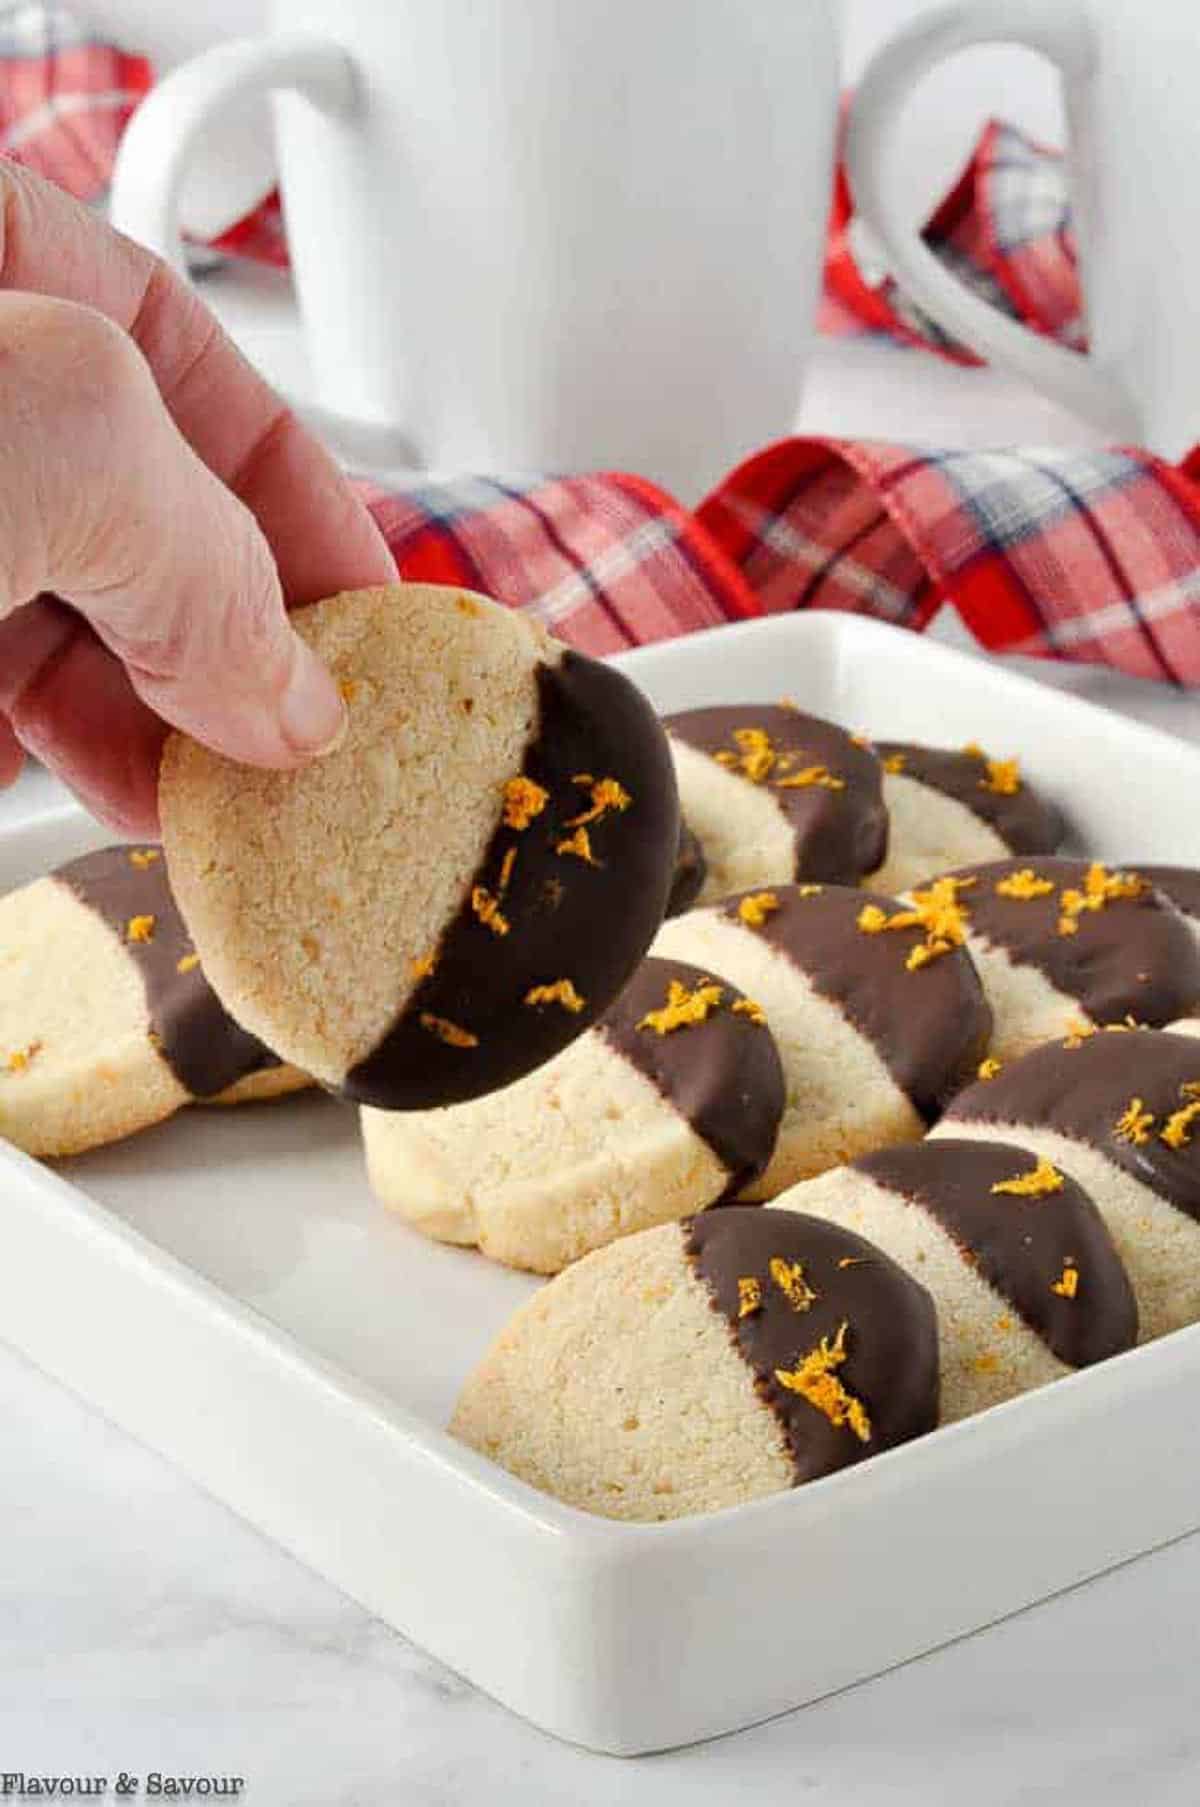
1068 554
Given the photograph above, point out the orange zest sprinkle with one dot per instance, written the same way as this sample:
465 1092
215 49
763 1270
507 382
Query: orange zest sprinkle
683 1007
523 800
756 1013
506 870
749 1295
560 992
579 845
1024 885
852 1260
421 965
756 907
755 757
936 909
606 794
1003 777
895 762
1004 1322
347 689
1067 1284
467 605
1037 1183
815 1379
488 910
1177 1131
809 890
988 1069
141 857
1134 1124
985 1363
809 776
789 1278
140 928
1078 1032
19 1059
448 1032
187 963
1100 887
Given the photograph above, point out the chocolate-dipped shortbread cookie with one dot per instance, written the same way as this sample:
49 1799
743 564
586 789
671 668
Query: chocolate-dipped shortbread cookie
669 1104
701 1364
950 808
107 1021
1181 884
1062 942
463 885
775 795
1023 1273
1118 1110
876 1031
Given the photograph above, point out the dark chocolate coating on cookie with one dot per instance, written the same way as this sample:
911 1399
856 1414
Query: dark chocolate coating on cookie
691 870
840 834
929 1027
1021 1245
1135 957
589 923
1181 884
1083 1091
200 1042
1024 821
890 1340
723 1075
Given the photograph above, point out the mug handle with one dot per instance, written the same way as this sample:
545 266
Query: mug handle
165 130
1063 34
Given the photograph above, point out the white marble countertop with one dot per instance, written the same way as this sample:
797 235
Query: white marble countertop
143 1627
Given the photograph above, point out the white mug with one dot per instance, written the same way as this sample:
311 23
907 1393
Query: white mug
1131 76
536 234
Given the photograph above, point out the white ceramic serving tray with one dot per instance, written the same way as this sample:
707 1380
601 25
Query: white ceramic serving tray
225 1288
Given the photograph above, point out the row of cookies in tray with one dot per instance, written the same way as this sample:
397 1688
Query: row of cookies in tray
700 1363
1048 1221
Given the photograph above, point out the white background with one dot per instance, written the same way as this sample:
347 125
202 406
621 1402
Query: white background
141 1626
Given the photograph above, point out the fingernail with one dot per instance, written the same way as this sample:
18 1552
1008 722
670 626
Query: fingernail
312 716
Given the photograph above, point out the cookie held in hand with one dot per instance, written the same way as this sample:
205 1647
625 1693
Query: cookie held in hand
463 885
700 1364
669 1104
107 1021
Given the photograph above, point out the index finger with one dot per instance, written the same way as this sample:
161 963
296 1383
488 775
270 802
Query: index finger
322 537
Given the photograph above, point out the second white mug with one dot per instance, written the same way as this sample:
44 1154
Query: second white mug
1131 73
536 235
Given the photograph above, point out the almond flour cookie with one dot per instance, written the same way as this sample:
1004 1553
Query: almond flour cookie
950 808
776 795
1119 1111
701 1364
107 1022
1061 942
463 885
876 1031
1023 1273
669 1104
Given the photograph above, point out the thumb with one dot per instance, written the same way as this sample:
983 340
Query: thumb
118 515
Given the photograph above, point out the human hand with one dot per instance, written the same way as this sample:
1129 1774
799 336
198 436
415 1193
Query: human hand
153 482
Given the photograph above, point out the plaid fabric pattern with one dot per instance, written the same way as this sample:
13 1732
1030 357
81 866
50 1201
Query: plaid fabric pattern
1067 554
